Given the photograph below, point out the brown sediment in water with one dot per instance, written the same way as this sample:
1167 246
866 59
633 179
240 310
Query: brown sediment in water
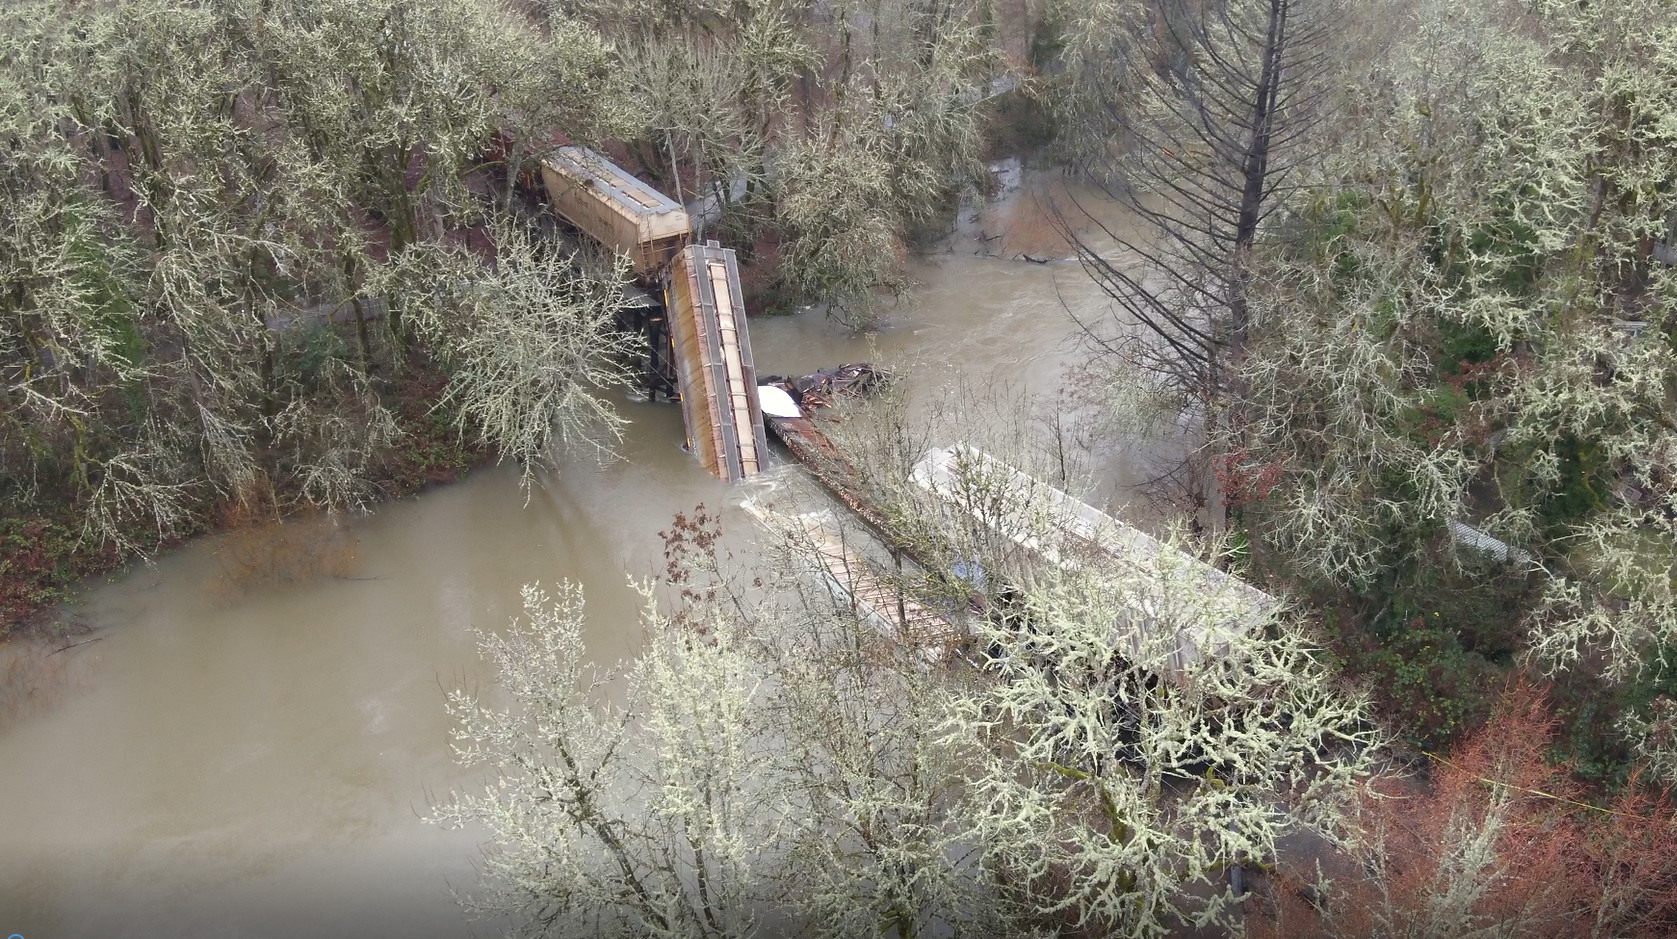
282 553
1033 224
41 671
45 559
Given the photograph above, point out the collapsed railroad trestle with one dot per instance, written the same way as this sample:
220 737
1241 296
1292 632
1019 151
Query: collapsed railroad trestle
686 304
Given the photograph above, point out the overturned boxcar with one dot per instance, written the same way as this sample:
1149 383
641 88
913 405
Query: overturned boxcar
614 208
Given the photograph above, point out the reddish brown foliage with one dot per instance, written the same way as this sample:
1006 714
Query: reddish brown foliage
691 562
431 450
1552 865
258 554
1243 480
39 562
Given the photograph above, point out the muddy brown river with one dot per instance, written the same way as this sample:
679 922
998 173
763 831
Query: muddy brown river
228 760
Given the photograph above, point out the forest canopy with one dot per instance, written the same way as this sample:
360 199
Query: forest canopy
1469 321
267 256
233 228
1405 270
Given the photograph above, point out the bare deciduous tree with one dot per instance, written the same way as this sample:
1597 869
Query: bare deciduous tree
1201 132
530 340
200 192
1085 775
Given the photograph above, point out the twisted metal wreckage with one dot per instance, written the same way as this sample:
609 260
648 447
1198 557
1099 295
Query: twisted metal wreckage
690 309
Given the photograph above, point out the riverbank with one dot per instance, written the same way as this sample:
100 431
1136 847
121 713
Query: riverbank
45 561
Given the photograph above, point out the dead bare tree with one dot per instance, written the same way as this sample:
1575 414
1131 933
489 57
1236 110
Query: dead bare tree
1208 124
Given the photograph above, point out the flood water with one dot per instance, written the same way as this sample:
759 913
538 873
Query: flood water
232 757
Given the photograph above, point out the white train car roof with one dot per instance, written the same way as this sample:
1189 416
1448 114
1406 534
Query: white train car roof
1024 509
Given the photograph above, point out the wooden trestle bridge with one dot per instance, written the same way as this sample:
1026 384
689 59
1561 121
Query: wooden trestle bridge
699 353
